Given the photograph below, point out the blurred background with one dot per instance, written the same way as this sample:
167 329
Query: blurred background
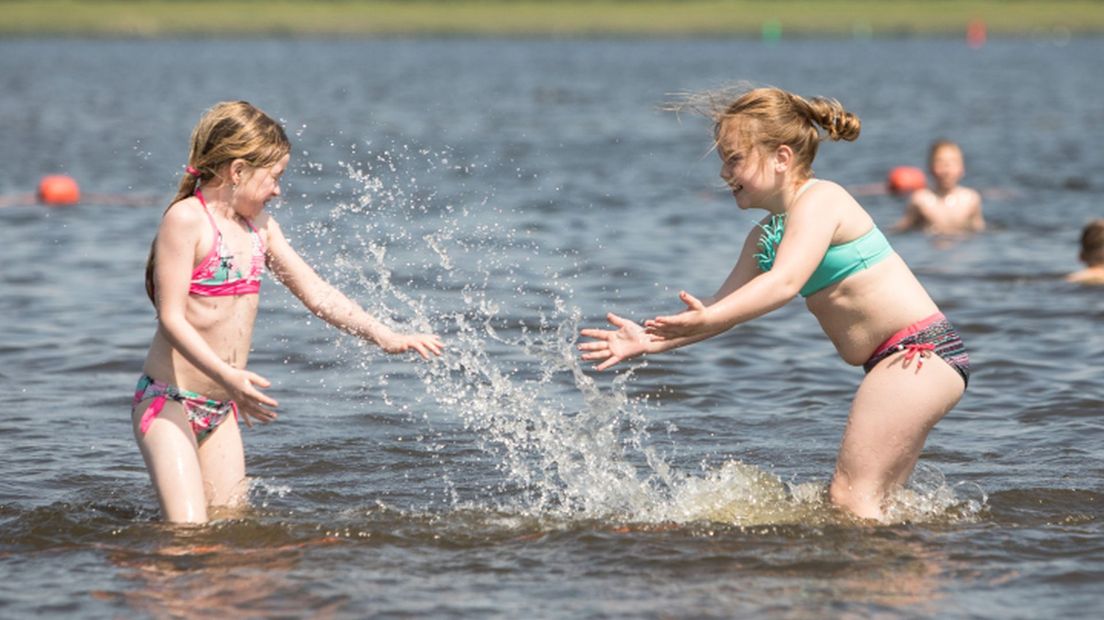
502 173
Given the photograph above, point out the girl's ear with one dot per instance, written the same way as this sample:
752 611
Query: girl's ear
783 158
237 171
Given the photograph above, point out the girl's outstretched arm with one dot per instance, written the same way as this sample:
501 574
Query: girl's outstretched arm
810 226
178 241
629 340
611 346
330 305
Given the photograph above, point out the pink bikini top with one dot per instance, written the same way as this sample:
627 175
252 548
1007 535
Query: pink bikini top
217 275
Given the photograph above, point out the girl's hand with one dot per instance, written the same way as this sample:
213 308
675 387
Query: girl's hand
613 346
693 323
252 403
424 344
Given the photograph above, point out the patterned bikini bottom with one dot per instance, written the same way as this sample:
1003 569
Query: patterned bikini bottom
934 334
204 414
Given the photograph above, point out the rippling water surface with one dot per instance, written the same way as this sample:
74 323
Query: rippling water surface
503 194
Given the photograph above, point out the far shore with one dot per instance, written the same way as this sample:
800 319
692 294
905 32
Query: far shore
552 18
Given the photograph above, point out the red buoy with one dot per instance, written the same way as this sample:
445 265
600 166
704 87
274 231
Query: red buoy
905 179
975 34
58 190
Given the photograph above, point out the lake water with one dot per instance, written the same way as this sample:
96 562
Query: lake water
504 193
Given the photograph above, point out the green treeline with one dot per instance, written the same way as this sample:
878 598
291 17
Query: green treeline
755 18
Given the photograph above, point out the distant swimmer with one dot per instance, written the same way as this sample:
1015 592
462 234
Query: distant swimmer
817 241
947 208
1092 255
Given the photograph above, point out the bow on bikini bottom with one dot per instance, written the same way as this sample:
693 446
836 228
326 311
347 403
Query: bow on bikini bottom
934 334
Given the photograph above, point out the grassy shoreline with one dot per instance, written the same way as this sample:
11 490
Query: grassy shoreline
746 18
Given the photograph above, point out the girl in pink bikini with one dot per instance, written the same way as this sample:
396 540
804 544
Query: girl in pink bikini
204 276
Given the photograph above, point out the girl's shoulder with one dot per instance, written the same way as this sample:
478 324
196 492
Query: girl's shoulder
265 223
827 205
268 228
824 190
186 224
188 212
825 198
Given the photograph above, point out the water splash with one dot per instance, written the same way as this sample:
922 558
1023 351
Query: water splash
565 448
929 497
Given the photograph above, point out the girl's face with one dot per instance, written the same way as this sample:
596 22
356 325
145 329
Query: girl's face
744 168
258 186
947 167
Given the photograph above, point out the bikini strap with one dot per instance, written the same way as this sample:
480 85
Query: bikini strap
804 186
210 218
257 234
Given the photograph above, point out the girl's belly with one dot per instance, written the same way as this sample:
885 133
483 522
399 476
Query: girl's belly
863 310
226 326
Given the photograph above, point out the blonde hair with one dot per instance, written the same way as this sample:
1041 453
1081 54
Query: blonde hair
1092 243
228 131
771 117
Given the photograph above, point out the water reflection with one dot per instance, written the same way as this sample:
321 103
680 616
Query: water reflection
198 575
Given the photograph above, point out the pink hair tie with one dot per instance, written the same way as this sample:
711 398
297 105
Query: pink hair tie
192 171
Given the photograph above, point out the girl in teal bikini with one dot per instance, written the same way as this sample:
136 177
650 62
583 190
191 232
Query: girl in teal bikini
817 241
204 278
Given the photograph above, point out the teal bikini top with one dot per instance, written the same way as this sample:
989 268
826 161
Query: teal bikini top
839 261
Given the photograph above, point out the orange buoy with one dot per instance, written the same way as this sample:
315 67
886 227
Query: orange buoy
904 179
58 190
975 34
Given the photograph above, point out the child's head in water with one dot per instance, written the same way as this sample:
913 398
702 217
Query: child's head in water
1092 244
1092 254
767 135
946 164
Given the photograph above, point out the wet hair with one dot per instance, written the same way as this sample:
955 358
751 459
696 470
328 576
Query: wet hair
228 131
770 117
1092 243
